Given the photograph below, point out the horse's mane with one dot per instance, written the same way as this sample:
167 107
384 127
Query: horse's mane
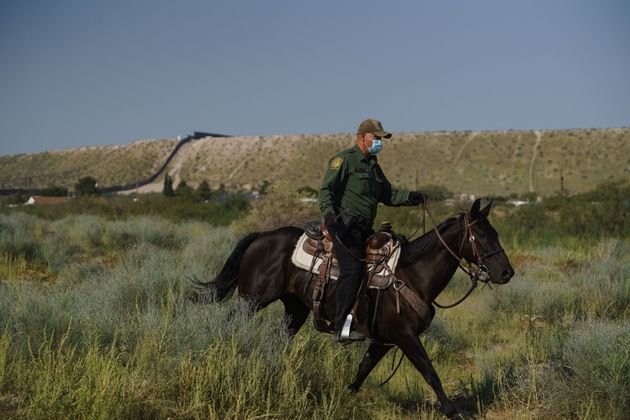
412 251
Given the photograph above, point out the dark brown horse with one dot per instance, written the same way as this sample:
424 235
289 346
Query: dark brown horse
260 266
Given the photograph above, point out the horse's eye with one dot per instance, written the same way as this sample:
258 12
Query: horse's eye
481 234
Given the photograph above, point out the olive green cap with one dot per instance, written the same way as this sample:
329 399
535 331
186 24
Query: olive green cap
374 127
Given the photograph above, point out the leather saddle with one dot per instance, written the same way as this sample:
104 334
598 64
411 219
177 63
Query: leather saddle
319 241
382 250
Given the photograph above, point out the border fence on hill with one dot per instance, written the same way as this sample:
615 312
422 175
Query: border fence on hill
118 188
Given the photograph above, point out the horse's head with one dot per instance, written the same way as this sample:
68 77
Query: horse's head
481 245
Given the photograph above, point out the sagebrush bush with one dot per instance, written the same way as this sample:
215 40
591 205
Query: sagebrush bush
592 373
207 249
605 282
86 230
17 236
280 207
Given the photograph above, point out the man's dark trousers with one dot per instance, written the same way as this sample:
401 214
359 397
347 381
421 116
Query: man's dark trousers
349 255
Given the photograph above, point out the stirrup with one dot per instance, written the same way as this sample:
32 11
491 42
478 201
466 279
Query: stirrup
347 325
346 336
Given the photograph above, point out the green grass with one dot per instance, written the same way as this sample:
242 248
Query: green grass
96 321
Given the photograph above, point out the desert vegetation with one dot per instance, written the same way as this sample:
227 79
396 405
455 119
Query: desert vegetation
98 318
109 165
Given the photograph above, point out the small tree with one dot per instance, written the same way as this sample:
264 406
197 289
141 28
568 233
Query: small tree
86 186
183 190
204 190
168 186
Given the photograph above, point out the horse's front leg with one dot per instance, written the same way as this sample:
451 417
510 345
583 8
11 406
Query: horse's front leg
372 356
414 350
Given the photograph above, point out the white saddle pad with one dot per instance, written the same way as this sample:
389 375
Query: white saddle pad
303 260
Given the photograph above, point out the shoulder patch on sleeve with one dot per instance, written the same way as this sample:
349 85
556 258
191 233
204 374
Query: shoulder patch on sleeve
336 163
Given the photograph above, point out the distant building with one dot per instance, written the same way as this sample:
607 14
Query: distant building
518 203
45 200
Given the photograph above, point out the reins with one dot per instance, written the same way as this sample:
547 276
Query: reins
481 274
473 279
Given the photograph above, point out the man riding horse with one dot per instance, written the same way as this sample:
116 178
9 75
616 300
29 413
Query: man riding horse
353 186
262 269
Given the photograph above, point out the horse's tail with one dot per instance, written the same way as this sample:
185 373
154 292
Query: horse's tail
226 281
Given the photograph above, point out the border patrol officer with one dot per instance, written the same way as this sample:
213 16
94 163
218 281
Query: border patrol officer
353 186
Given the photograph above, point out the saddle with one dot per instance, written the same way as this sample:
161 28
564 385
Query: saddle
314 252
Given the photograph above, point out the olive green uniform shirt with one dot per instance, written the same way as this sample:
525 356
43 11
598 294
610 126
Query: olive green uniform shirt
355 183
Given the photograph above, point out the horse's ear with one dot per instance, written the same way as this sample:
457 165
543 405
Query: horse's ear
474 210
485 211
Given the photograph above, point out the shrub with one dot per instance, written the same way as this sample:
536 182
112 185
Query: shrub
203 190
593 371
17 236
85 186
307 191
279 207
183 190
121 235
167 190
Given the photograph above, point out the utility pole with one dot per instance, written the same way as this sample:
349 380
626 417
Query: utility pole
561 183
417 175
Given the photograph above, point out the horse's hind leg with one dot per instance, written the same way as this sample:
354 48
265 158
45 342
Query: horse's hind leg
295 313
413 349
372 356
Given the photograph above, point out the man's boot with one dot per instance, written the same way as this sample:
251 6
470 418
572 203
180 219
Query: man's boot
346 335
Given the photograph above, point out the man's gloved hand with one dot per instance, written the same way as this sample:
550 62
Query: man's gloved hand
330 220
417 197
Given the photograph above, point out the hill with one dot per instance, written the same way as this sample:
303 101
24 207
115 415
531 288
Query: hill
108 164
492 162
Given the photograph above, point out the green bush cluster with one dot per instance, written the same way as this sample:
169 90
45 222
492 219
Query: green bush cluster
600 213
572 221
218 212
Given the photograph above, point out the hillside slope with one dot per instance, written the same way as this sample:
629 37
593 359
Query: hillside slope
497 162
108 164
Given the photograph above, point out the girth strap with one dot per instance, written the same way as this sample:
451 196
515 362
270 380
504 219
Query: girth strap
420 306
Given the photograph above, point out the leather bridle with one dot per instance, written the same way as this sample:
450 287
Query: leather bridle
480 273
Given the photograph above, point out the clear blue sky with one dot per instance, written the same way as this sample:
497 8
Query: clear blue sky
79 73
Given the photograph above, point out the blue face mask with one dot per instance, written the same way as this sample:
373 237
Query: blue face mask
376 147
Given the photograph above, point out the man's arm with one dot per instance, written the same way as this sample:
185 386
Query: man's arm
391 196
332 185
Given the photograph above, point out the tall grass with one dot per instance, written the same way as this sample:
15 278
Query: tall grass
126 340
107 328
